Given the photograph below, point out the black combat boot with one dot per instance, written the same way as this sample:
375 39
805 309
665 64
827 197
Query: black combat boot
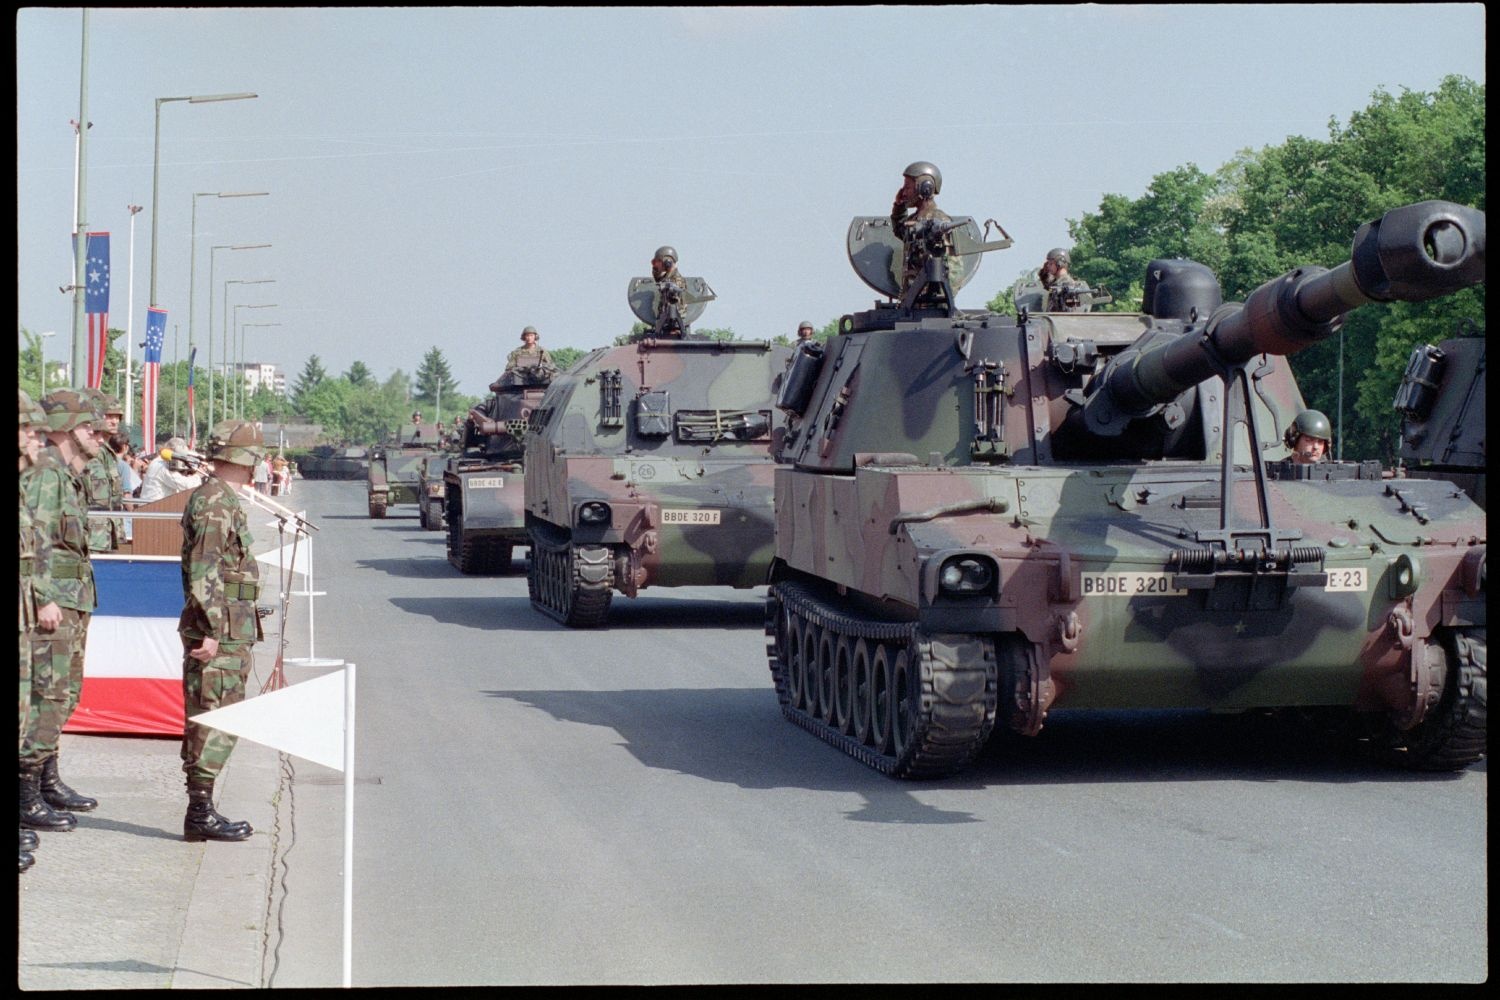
29 840
35 812
60 796
26 860
203 822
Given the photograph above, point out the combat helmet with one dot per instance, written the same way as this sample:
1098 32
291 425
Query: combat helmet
529 329
95 396
68 409
1060 257
924 169
32 415
1310 422
237 442
665 254
112 405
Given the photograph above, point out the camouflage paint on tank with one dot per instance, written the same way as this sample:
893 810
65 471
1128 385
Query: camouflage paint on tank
681 512
992 516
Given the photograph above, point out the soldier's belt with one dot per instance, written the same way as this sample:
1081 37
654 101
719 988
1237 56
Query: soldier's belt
241 591
67 570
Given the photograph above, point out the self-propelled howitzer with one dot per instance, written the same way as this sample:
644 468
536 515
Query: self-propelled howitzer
985 516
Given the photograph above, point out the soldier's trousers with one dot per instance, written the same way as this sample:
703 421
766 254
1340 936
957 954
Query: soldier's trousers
205 687
56 682
25 685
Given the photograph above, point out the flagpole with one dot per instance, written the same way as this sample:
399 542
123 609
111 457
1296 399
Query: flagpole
80 237
348 824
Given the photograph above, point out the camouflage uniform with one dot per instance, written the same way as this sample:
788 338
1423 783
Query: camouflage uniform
104 490
55 495
34 573
219 588
528 357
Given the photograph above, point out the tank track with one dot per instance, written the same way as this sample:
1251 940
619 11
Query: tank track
377 506
475 556
1453 735
556 588
907 704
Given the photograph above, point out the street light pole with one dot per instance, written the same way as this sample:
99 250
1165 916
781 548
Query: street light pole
41 350
80 234
192 281
156 166
242 281
212 260
129 319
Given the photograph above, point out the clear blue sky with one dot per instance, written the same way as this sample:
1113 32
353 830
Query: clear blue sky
447 176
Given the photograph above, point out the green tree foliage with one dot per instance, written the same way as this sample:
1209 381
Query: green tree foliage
566 357
312 375
359 376
433 376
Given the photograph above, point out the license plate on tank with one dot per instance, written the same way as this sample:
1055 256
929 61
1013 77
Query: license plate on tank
1131 585
488 483
689 517
1352 580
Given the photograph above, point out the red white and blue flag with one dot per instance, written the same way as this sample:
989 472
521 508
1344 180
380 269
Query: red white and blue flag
96 305
156 334
132 672
192 414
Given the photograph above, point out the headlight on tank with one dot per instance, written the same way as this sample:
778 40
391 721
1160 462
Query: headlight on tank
594 513
966 575
1405 576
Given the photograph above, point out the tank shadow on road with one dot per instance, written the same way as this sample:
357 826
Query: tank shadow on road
738 736
412 566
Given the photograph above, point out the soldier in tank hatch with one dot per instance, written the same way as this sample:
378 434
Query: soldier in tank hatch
1308 437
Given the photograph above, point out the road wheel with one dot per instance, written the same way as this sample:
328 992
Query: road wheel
882 682
862 692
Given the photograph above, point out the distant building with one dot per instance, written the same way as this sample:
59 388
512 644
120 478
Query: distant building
257 374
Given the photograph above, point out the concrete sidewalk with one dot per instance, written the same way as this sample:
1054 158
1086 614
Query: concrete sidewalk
123 902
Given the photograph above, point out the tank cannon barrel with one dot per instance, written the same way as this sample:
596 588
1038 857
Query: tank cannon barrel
1410 254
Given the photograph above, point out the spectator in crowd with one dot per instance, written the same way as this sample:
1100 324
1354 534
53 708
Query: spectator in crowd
162 480
281 475
262 476
130 477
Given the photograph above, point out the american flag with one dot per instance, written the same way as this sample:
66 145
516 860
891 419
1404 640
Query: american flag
192 416
96 305
156 333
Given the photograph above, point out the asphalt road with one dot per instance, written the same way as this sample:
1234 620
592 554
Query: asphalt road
626 805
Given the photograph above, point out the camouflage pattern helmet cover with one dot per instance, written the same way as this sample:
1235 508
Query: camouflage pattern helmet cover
112 405
68 409
96 396
236 441
924 169
530 329
1312 423
665 254
1060 256
32 415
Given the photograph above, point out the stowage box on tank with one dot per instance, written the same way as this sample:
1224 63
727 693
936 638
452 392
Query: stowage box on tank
649 465
984 517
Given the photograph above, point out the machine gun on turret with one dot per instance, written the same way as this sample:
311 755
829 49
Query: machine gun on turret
669 306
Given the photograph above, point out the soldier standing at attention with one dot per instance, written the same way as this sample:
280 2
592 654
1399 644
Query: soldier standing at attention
34 577
219 626
102 486
65 601
529 356
1308 437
